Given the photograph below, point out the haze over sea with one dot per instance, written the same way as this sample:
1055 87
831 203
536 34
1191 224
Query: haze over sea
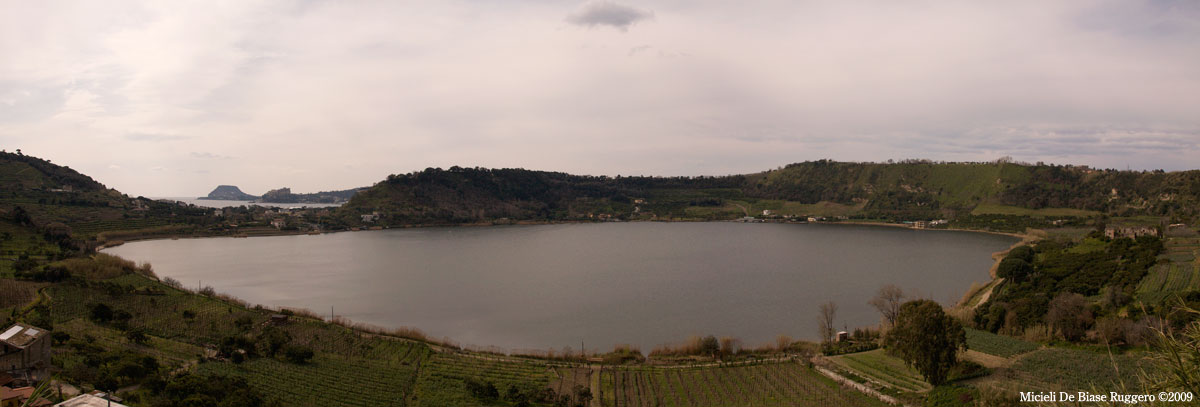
553 286
221 203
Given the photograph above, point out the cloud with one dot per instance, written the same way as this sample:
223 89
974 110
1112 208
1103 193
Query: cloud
208 155
154 137
600 12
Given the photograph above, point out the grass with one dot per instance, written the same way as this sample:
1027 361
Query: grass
995 209
1088 245
998 345
884 369
768 384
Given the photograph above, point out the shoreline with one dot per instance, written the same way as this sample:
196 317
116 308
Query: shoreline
1024 238
118 242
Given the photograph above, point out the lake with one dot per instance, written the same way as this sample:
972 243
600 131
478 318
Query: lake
552 286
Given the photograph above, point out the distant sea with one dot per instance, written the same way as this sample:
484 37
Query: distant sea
217 203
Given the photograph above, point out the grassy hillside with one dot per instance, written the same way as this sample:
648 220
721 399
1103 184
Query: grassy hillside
910 190
71 209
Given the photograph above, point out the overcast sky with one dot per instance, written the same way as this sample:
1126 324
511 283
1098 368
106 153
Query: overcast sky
169 98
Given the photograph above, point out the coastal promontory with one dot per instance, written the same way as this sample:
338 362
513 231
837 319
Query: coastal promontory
229 193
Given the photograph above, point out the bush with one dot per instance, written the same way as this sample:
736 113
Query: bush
482 390
302 354
101 313
841 348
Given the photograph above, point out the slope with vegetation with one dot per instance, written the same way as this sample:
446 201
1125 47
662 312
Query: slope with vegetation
978 195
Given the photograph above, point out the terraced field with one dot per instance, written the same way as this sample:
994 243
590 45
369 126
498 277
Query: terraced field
1181 274
882 368
997 345
1073 370
442 377
771 384
329 380
566 378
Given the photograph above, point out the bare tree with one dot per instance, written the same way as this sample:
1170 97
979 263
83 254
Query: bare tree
825 321
730 346
888 301
1068 316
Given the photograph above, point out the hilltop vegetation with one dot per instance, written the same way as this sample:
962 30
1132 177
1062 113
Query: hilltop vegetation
70 208
910 190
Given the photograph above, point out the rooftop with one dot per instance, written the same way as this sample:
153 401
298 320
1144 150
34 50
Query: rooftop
89 400
21 335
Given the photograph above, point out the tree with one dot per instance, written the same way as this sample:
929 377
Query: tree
927 339
709 345
1023 252
272 340
888 301
1068 316
825 321
730 346
1014 269
101 313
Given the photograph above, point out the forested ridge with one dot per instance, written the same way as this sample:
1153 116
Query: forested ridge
909 190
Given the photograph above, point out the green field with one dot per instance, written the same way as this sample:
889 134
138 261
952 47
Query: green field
1088 245
770 384
885 369
998 345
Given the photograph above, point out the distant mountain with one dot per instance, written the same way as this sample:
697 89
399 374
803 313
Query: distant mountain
229 193
285 195
907 190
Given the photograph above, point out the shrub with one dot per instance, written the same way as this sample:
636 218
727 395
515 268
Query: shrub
101 313
302 354
482 390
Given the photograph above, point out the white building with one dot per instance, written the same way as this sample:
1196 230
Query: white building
94 399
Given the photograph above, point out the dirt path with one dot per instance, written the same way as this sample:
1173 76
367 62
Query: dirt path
594 385
743 208
857 386
989 361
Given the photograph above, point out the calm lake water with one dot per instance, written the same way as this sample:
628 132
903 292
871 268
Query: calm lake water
552 286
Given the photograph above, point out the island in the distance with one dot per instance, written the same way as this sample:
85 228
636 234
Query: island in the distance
229 193
281 195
